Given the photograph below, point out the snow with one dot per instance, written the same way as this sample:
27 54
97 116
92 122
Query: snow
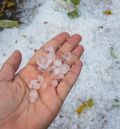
100 76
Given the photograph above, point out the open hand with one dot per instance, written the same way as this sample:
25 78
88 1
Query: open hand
16 112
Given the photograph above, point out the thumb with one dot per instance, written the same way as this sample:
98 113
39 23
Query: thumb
10 66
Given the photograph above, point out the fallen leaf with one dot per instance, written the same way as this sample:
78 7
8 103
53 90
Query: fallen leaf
88 104
9 24
108 12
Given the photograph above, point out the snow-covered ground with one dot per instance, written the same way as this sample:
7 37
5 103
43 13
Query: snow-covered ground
100 77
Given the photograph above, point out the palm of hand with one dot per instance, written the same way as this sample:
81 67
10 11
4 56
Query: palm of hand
15 109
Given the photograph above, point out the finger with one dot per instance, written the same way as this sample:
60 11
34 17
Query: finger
70 44
56 42
76 54
69 80
10 66
78 51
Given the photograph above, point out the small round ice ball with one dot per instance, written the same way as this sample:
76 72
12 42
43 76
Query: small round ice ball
56 71
42 62
39 68
32 100
50 58
51 54
33 95
32 83
50 49
40 78
37 86
67 56
54 83
57 63
64 68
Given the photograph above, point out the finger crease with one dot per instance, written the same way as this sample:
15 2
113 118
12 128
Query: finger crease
74 73
10 66
66 81
71 43
76 56
57 41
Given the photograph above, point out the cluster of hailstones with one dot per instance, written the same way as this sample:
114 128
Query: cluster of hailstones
54 66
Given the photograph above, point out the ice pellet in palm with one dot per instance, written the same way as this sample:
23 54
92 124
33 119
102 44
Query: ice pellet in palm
56 71
37 86
32 100
33 95
32 83
64 68
67 56
40 78
57 63
51 54
42 62
50 49
45 61
54 83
